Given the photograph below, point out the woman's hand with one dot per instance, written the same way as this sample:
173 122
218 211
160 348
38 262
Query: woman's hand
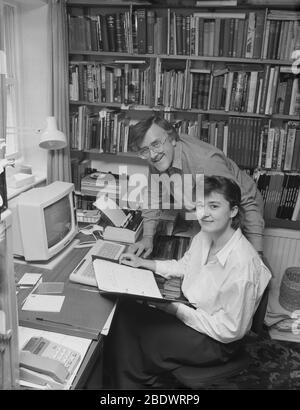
131 259
168 307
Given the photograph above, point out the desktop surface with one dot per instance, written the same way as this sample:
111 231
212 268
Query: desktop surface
75 316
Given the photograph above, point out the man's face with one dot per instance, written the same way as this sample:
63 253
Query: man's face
160 147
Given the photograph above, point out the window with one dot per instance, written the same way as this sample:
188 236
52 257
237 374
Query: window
11 48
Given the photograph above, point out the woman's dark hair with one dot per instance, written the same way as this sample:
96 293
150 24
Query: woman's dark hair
138 131
231 192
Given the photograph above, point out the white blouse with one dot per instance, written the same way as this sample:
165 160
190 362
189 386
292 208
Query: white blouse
226 291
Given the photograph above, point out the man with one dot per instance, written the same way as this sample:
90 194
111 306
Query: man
169 155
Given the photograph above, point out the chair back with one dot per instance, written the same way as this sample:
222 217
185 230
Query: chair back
259 315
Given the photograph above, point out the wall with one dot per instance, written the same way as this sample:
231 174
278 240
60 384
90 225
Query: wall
282 249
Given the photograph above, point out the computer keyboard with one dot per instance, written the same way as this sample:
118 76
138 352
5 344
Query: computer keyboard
84 271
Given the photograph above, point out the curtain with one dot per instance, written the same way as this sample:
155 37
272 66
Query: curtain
2 81
59 166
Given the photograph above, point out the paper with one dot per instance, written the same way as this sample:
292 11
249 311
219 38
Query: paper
43 303
111 210
29 279
113 277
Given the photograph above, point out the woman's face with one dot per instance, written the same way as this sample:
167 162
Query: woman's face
215 215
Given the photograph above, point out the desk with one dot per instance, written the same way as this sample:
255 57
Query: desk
61 274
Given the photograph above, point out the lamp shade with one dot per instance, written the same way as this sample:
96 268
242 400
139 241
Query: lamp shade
52 138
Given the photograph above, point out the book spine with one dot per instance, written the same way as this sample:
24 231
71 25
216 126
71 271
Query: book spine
150 31
250 35
291 134
111 30
258 35
264 90
141 31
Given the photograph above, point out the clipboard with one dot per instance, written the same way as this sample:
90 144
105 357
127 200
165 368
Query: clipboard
126 281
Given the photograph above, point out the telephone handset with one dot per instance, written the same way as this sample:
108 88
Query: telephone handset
45 362
45 365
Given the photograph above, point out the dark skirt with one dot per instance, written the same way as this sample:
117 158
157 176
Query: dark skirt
144 342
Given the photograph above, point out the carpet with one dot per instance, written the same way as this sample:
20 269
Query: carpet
275 365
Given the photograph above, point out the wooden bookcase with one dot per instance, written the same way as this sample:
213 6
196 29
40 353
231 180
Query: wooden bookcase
223 74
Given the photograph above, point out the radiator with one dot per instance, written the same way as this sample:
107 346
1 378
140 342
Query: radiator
282 249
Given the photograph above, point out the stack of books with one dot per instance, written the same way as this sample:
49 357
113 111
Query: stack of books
100 183
170 247
170 288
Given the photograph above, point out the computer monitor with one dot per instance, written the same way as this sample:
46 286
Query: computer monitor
44 221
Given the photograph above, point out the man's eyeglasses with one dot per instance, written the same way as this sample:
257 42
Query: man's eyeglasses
156 146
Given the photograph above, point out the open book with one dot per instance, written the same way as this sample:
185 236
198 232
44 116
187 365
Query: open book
118 279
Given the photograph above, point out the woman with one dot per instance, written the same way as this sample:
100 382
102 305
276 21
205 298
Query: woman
223 277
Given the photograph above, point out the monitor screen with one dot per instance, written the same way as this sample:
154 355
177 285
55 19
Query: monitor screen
58 221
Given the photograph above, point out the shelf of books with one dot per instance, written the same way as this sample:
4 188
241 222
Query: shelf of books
228 77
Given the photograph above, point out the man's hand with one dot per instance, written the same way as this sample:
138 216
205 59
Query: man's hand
145 245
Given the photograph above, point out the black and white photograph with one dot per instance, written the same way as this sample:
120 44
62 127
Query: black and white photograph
149 199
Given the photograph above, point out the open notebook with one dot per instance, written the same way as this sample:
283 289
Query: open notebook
114 278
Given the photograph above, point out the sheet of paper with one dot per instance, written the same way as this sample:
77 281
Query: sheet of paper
113 277
43 303
29 279
109 207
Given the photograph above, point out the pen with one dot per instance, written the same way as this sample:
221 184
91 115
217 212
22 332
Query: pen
75 328
89 290
53 321
34 288
78 266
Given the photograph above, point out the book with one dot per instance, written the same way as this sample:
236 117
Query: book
122 280
150 31
296 211
141 31
216 3
291 135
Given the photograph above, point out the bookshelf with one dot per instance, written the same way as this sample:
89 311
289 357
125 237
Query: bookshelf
127 59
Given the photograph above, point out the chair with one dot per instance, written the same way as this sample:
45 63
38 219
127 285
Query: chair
200 377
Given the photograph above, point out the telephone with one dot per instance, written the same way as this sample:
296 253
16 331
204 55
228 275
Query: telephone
47 363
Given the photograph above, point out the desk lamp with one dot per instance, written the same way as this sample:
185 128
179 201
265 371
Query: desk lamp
52 138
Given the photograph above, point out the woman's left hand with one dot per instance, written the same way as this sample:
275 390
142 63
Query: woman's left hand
168 307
